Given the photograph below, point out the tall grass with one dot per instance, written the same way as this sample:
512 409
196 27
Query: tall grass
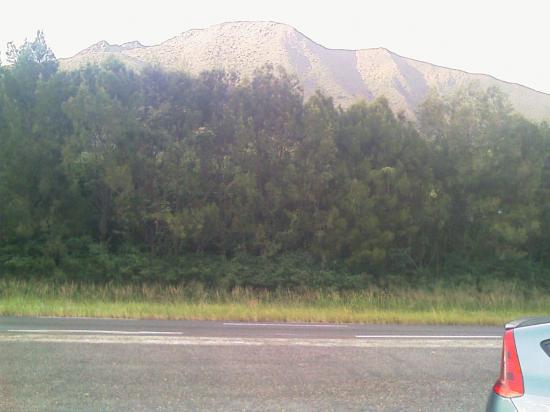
466 305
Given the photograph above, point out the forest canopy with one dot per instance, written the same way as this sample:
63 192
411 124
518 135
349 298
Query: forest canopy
110 174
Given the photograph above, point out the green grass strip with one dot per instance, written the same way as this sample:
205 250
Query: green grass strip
436 306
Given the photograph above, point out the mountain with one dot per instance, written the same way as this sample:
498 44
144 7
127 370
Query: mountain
346 75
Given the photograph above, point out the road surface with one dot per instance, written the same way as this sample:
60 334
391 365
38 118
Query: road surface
76 364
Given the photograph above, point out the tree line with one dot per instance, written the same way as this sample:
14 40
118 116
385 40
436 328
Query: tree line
107 173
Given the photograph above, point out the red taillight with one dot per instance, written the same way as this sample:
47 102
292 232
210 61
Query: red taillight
510 381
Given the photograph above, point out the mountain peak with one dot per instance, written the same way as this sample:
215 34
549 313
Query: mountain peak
241 28
248 24
346 75
104 46
132 45
98 47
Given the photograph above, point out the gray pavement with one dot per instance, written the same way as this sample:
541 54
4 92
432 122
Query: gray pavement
58 364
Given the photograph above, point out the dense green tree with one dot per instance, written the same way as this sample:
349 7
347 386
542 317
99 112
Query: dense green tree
32 131
106 173
487 165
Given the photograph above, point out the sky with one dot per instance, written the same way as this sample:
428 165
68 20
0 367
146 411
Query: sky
508 39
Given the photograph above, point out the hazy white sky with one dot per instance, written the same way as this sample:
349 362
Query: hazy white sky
508 39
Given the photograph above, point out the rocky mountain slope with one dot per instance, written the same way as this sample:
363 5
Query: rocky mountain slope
346 75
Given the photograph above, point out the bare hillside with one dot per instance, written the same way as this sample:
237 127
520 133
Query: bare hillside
346 75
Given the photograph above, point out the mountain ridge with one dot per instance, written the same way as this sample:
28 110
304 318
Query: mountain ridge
347 75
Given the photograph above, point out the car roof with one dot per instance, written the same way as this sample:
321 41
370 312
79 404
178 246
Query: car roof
523 322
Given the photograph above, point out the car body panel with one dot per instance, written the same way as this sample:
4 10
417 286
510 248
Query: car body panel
530 335
499 404
535 366
532 403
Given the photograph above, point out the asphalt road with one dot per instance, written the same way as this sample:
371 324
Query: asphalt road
57 364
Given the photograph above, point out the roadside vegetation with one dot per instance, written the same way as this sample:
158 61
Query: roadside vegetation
438 305
232 198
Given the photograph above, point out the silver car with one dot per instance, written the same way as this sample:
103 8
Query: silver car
524 381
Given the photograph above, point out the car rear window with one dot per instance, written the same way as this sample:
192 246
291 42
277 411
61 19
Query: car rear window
546 346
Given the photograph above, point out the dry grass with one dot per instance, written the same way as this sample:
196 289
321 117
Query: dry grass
437 306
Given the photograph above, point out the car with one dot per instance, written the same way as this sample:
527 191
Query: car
524 381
